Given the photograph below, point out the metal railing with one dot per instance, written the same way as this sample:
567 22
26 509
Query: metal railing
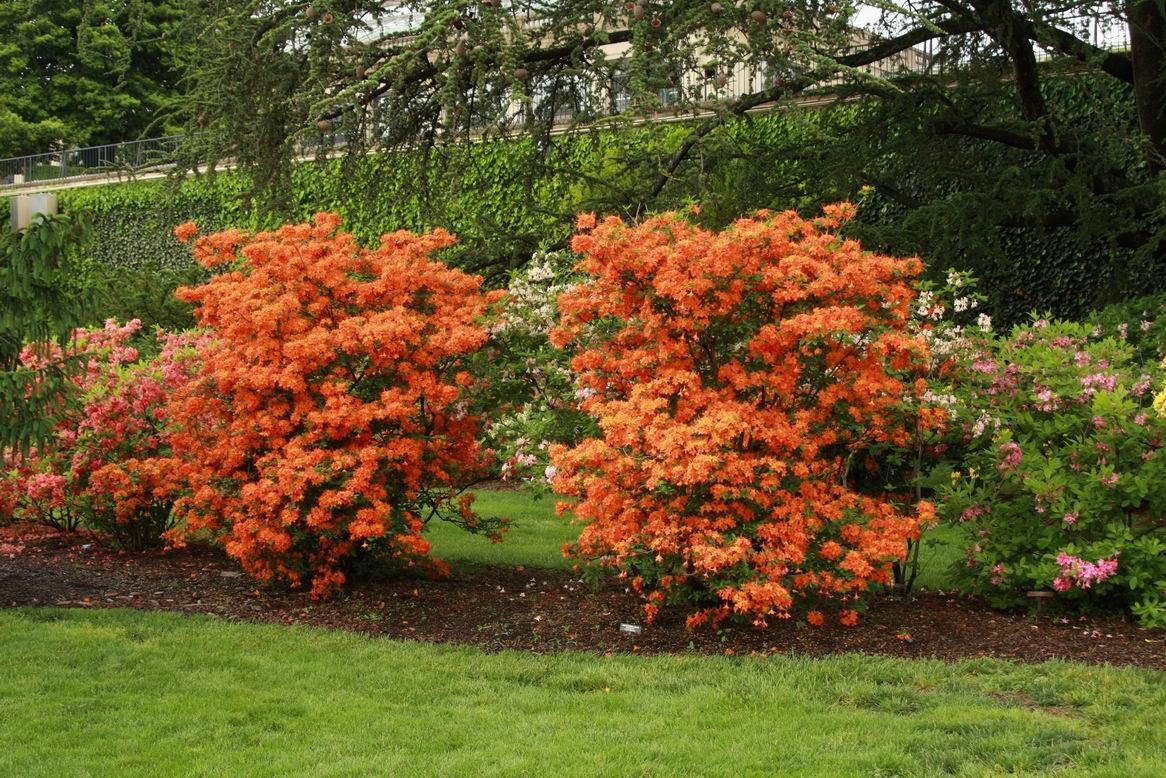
111 159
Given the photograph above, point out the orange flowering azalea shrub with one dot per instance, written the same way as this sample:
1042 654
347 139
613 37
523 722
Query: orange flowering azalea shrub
741 380
329 422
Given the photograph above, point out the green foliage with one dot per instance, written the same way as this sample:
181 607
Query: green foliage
145 293
85 73
1028 225
504 199
40 302
134 263
19 136
133 223
1141 321
1065 483
952 200
1009 145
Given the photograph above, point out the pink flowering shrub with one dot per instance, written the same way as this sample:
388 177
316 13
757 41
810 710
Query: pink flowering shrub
51 486
1064 483
106 467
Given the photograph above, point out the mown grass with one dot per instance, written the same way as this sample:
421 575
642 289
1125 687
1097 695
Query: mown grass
133 693
537 535
942 550
535 538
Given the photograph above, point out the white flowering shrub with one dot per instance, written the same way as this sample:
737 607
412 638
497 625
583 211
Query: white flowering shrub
949 318
530 400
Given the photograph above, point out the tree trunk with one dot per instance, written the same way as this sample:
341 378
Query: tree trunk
1147 24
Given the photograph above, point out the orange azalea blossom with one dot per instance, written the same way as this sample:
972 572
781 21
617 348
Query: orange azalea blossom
185 232
741 380
330 418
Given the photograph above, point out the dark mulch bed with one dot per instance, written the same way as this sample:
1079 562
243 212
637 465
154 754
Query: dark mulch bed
539 610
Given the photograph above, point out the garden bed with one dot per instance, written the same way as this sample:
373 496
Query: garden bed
538 610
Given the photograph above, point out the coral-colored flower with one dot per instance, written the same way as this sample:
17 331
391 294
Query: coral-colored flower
186 231
734 375
329 420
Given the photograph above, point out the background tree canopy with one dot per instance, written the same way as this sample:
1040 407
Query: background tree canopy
1025 142
85 73
1025 148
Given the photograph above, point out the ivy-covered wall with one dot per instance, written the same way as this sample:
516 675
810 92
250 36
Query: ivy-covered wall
503 200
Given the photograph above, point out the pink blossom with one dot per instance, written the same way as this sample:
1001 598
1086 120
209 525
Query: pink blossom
998 574
1005 382
1070 517
972 512
1011 457
1084 574
120 415
1095 382
1110 480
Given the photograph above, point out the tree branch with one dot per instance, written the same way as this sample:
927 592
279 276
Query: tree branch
1041 141
539 56
867 56
1114 63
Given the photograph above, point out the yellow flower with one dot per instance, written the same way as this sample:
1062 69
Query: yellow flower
1160 403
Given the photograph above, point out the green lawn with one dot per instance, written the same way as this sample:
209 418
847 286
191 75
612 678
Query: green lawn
537 535
129 693
535 538
943 547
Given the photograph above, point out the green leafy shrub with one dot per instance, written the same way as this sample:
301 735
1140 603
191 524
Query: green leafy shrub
145 292
1065 482
1140 321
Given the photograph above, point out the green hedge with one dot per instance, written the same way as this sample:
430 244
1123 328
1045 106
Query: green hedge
504 199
